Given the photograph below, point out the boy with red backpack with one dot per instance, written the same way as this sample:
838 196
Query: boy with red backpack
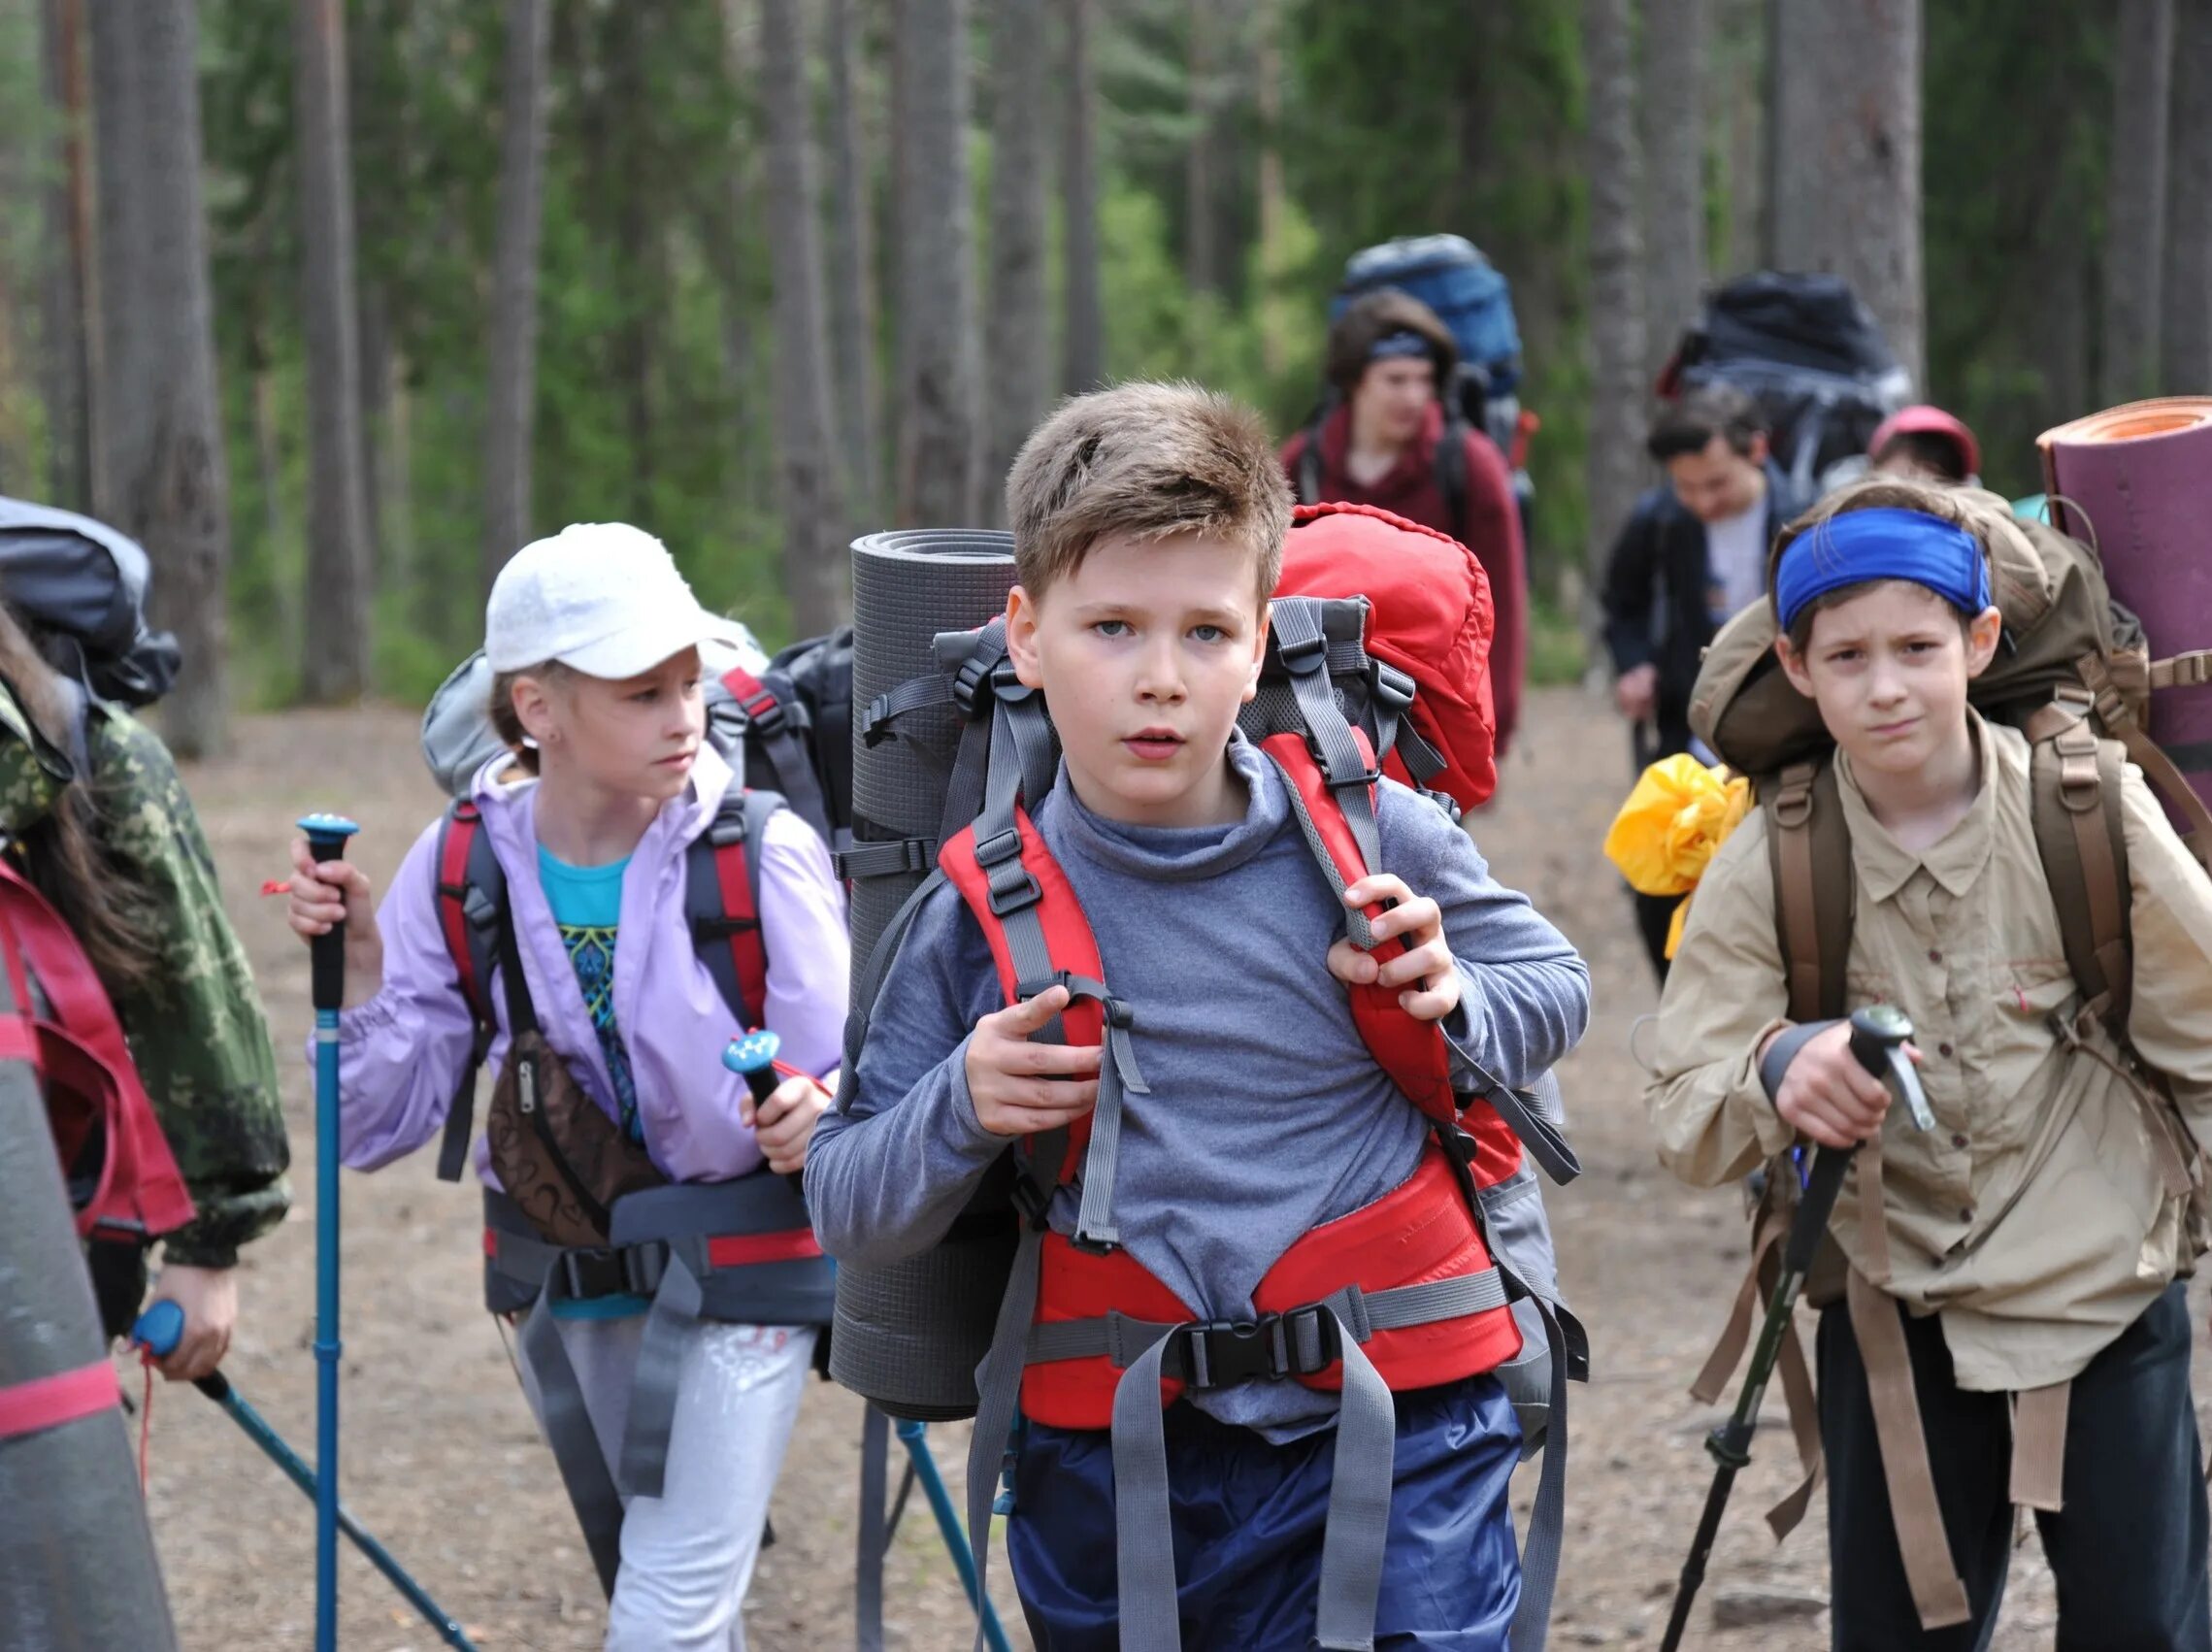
2004 1322
1260 1199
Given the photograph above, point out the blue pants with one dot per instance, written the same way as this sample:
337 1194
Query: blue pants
1249 1519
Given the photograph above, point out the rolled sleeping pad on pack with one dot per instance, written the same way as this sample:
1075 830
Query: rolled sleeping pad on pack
909 1335
2135 483
76 1565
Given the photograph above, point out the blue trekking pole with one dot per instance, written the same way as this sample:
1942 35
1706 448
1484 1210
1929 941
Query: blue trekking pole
754 1056
158 1331
326 836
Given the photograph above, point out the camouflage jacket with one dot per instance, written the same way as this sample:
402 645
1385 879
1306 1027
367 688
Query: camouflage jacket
196 1029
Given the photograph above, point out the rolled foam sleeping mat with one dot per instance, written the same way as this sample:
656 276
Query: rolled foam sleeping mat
76 1565
907 587
909 1335
2135 481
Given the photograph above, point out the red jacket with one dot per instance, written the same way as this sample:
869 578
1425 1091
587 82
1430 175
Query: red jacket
1492 530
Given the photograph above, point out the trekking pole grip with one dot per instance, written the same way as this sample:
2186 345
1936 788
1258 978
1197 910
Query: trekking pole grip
327 838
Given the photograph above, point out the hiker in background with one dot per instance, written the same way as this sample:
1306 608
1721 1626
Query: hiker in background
1149 524
2013 1328
1926 444
594 639
117 851
1394 441
1692 554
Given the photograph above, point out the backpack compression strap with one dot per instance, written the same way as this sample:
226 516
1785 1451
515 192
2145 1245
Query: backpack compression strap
776 731
472 894
1809 849
722 900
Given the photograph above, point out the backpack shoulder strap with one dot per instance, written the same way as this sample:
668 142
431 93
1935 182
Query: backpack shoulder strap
1451 471
2074 801
722 900
780 733
1808 846
472 910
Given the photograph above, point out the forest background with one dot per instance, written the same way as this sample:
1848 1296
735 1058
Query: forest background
334 306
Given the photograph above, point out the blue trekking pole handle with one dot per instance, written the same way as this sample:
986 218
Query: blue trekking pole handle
754 1056
327 836
158 1331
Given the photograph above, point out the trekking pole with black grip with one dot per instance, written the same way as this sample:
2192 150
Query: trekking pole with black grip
1879 1034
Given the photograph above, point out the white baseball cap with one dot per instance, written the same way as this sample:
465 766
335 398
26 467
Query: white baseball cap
603 598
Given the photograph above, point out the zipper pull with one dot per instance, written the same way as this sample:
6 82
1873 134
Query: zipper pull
526 1085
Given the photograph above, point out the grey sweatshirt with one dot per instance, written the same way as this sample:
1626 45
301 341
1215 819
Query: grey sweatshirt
1267 1115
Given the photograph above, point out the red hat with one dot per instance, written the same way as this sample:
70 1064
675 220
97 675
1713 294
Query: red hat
1924 420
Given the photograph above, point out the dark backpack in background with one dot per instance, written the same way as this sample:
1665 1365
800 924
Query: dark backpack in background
80 588
1808 353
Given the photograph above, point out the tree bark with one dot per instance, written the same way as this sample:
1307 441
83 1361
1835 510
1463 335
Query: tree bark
814 536
2184 335
1616 270
513 370
1202 230
336 664
1274 191
939 435
2135 194
1084 337
1845 122
1017 340
853 276
1674 48
66 300
161 474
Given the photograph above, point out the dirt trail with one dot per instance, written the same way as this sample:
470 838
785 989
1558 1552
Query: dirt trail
443 1461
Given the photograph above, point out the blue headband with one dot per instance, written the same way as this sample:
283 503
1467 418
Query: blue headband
1882 544
1401 344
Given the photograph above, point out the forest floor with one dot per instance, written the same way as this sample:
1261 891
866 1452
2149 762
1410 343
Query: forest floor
443 1461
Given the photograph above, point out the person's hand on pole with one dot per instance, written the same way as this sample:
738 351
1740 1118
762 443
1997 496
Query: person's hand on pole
208 1298
1827 1096
327 893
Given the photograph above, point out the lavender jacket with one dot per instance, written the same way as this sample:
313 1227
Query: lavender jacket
401 1054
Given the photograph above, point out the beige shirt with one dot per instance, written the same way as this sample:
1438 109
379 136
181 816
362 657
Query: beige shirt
2033 1216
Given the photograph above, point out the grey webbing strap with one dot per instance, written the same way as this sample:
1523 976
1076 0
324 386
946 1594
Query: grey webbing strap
875 1531
1119 1338
1545 1141
915 694
1025 721
1423 761
1298 630
1144 1533
998 1397
1118 1075
1358 1528
576 1444
669 1324
964 787
877 858
1547 1518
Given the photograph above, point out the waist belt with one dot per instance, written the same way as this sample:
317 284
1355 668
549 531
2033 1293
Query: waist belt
736 1252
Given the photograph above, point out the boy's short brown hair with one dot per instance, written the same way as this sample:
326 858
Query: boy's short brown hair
1882 492
1148 461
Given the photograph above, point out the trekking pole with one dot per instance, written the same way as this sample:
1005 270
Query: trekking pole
326 836
158 1331
1878 1035
754 1056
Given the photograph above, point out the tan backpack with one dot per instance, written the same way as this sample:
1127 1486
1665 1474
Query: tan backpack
2074 672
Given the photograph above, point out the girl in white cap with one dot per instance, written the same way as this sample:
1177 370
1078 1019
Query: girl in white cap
594 637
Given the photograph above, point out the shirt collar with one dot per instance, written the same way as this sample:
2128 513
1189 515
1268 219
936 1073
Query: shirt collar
1955 861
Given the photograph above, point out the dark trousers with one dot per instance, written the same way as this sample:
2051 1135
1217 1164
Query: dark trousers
1249 1519
2129 1548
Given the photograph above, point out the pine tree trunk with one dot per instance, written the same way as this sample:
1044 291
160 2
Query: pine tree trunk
2135 195
336 664
728 216
1202 231
65 299
852 275
512 392
1085 336
1674 48
161 474
1018 365
814 537
940 428
1274 191
2185 337
1616 272
1845 122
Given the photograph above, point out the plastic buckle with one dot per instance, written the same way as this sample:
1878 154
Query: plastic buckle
997 849
967 681
1118 1014
765 712
598 1271
1029 1199
1307 654
1392 687
644 1265
1006 685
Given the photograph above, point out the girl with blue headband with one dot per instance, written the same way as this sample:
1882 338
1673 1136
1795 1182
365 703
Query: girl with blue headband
2011 1329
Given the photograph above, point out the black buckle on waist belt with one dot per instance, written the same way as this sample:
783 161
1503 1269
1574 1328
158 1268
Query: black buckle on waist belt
614 1271
1220 1353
